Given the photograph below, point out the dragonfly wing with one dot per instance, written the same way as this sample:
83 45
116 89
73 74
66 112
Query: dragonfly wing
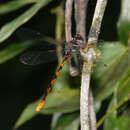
100 44
38 57
35 36
27 34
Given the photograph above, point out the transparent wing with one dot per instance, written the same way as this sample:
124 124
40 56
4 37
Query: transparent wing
97 43
28 34
100 43
38 57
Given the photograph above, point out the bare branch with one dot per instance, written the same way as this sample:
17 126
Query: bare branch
84 99
74 71
55 118
92 115
68 23
87 65
97 20
80 17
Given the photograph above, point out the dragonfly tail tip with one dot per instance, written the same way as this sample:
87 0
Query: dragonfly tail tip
40 106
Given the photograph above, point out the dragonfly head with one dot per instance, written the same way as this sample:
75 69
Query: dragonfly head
77 42
78 39
74 45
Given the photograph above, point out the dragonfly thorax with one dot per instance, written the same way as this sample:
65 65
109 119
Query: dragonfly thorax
74 45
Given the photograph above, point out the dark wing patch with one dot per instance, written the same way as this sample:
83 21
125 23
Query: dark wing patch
28 34
38 57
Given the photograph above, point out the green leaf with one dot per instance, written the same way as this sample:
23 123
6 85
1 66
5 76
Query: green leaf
68 122
63 101
65 80
110 119
26 115
123 90
125 15
121 123
119 76
122 87
13 50
124 22
115 55
14 5
10 27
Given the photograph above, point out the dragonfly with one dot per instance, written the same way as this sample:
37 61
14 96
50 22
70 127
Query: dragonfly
35 58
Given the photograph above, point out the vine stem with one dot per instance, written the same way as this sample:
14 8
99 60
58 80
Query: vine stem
68 27
80 17
87 65
68 14
92 114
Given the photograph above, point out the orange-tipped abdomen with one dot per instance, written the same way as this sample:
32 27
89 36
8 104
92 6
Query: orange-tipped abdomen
40 105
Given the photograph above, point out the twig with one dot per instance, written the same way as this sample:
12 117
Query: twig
112 110
80 17
59 30
97 20
68 14
55 118
92 115
68 22
87 65
84 101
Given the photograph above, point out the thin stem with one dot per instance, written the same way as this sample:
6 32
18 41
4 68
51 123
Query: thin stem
87 65
92 114
54 120
97 20
68 22
59 30
68 14
80 17
112 110
84 98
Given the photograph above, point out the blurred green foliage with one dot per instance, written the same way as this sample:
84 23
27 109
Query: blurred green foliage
111 82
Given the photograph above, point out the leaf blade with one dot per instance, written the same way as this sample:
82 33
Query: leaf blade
10 27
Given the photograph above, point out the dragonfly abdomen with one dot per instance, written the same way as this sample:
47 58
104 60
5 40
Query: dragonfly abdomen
41 105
